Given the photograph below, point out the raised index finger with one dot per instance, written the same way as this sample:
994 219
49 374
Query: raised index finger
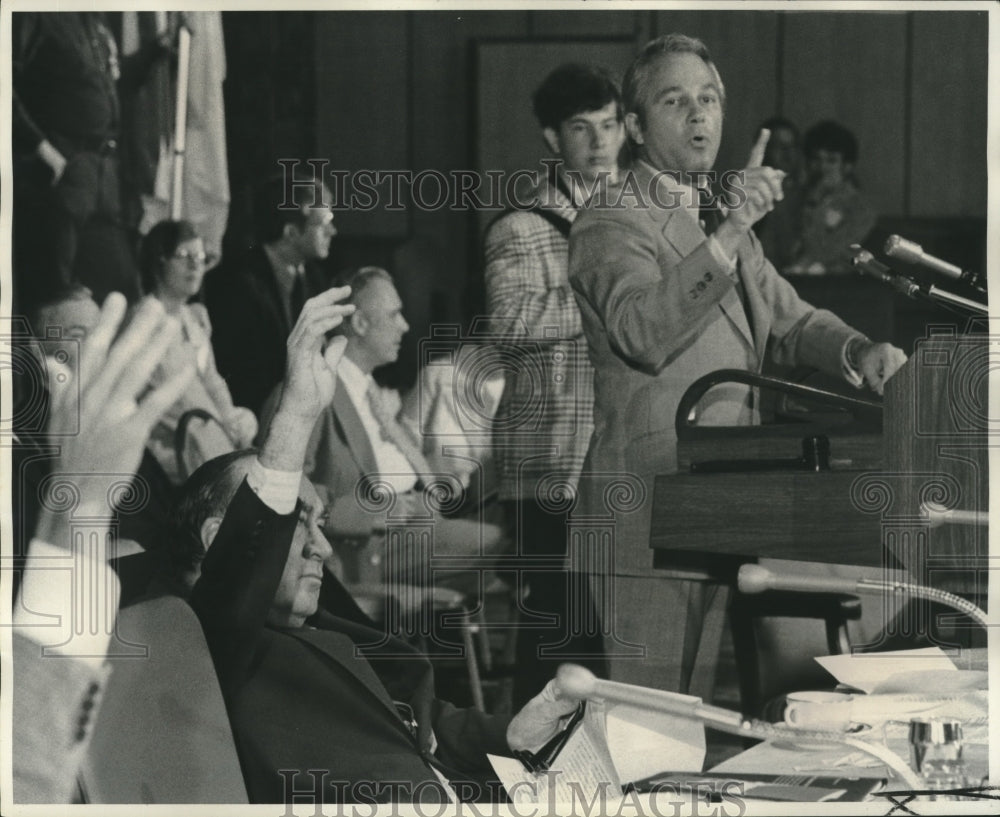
757 153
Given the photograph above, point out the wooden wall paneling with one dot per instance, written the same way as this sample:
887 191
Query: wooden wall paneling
442 134
362 105
582 23
851 67
949 92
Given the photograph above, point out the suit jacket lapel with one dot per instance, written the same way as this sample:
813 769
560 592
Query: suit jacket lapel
732 306
759 312
352 430
272 296
339 648
682 231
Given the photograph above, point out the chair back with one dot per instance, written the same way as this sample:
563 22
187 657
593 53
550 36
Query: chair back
199 437
162 734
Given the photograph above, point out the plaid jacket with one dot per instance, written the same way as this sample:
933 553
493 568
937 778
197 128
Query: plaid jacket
545 417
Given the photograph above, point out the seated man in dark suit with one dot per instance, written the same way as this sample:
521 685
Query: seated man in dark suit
254 299
319 702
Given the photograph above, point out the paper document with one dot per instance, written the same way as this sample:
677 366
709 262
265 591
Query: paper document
867 671
615 744
582 770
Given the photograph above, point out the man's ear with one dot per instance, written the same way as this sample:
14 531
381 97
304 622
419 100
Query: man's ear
634 127
551 137
289 232
209 528
359 323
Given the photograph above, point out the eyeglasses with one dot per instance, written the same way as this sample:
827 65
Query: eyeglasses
196 259
542 760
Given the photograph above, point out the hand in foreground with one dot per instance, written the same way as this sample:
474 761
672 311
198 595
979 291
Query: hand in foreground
752 198
539 719
95 418
877 362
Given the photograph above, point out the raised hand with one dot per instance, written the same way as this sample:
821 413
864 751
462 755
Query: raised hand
102 416
310 379
312 369
750 196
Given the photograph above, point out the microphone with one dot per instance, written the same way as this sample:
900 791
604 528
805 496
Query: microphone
757 579
865 263
898 247
579 683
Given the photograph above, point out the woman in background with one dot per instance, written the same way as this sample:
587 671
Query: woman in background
173 264
835 214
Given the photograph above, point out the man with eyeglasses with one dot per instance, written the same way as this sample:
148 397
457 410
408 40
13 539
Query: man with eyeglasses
255 298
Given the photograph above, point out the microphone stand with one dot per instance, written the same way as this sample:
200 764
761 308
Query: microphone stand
951 299
865 263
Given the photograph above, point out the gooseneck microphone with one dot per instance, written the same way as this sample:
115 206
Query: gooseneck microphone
866 263
756 579
581 684
905 250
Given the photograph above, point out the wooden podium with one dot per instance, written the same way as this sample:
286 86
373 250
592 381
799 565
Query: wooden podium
930 445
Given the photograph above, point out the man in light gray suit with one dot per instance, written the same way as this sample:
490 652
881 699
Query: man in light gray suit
668 293
360 453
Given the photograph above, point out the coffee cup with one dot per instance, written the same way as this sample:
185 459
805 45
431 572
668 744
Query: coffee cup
823 711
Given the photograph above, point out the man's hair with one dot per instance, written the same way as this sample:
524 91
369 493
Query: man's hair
358 279
42 314
831 136
279 201
635 88
574 88
159 243
206 493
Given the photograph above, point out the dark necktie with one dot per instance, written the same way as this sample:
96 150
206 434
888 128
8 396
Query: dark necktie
711 218
708 211
298 297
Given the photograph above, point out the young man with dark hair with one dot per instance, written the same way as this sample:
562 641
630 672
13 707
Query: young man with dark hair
545 415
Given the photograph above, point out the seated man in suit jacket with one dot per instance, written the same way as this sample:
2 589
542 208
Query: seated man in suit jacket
254 298
361 459
319 702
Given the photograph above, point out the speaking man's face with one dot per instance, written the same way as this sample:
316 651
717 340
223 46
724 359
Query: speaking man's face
682 125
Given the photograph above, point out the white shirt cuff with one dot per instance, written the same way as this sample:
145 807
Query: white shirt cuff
851 375
724 261
44 611
279 490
